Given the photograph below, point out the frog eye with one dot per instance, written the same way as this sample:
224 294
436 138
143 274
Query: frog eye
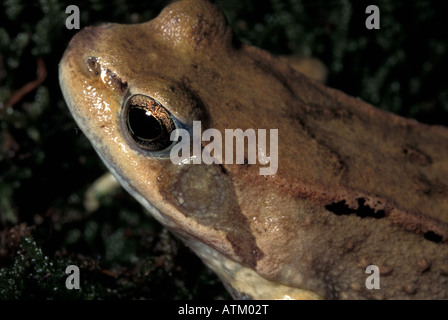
148 123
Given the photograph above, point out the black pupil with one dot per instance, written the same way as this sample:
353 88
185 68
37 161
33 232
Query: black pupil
142 124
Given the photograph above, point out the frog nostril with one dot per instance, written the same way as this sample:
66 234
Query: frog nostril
93 65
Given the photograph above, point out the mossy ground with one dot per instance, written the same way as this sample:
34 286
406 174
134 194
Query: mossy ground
46 164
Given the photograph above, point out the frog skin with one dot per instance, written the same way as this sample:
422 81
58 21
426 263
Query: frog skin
355 185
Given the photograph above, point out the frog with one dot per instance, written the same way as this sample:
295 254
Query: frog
355 186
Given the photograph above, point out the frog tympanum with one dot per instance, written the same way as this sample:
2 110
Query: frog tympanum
355 185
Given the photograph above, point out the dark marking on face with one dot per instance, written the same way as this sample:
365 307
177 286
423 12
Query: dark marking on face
206 194
94 67
116 81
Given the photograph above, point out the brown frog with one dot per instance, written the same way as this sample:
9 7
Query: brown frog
355 186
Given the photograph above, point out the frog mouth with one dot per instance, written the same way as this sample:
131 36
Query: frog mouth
118 174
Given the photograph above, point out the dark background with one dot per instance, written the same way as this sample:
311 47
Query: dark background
46 163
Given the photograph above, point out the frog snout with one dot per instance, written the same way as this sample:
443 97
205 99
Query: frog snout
89 37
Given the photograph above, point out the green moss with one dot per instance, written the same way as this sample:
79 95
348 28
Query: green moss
34 276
